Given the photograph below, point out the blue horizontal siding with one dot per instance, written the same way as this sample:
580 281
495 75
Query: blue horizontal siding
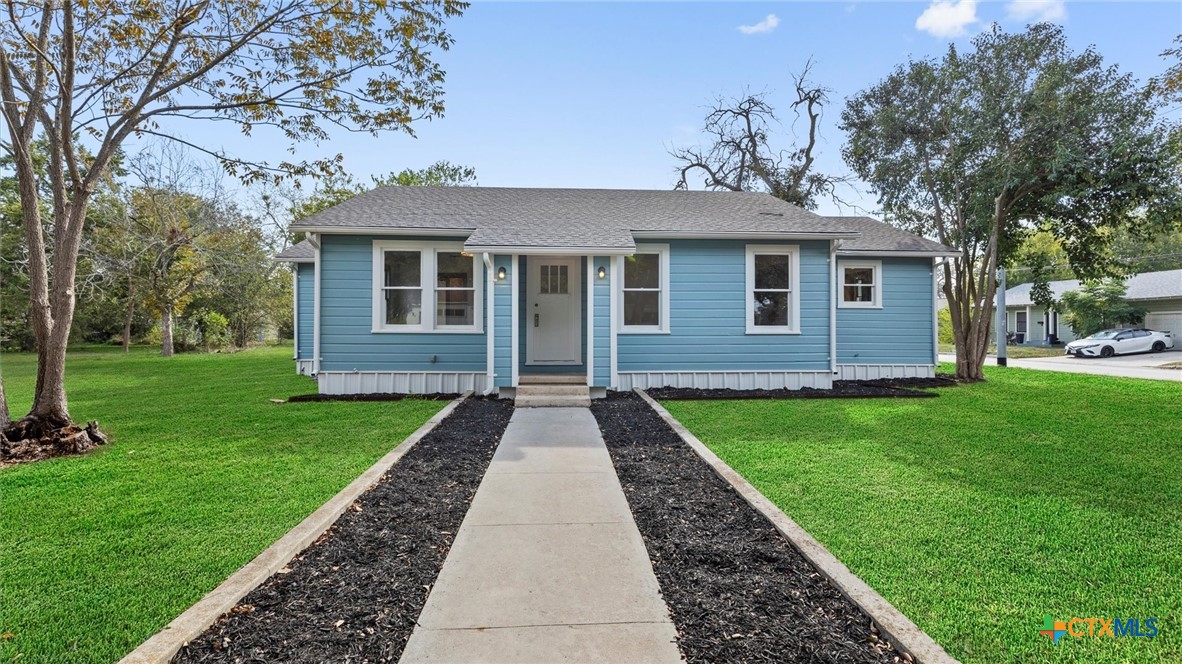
305 308
503 320
602 312
346 319
708 315
901 331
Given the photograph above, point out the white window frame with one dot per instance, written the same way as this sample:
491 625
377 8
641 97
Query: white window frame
794 285
876 266
663 327
427 279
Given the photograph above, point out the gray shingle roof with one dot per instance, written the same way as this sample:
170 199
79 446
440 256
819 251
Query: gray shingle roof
593 218
301 252
880 236
1146 286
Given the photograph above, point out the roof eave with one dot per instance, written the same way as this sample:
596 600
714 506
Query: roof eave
935 253
524 250
292 259
744 235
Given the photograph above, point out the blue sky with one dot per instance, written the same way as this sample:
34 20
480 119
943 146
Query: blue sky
593 94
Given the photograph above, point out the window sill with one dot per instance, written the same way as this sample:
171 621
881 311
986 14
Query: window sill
780 331
419 330
626 330
850 305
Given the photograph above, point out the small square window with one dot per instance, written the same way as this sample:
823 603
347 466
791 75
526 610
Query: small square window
860 284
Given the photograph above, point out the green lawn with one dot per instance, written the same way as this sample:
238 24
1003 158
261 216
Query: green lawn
980 511
98 553
1015 352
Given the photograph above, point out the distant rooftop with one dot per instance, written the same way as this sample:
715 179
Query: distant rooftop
1145 286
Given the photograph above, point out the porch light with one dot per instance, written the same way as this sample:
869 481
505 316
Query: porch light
602 272
501 273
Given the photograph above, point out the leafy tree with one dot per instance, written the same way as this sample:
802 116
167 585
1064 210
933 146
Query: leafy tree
1134 253
740 156
1099 305
442 173
244 284
341 187
974 147
88 75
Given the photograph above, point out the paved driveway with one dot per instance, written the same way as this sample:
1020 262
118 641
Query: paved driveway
1141 365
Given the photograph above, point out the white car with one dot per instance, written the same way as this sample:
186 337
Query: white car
1121 341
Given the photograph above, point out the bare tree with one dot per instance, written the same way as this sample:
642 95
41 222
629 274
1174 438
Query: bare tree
89 75
740 156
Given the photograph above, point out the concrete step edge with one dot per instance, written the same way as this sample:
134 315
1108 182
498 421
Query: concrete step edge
543 379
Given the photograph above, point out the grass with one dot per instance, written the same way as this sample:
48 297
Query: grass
979 512
1014 352
101 551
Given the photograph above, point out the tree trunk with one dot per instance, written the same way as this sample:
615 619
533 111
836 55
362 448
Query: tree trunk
166 349
4 418
130 315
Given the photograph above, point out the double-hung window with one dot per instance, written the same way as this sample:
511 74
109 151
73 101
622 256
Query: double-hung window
860 283
425 287
644 291
773 298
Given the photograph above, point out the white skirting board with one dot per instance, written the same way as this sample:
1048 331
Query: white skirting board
728 380
304 367
875 371
401 382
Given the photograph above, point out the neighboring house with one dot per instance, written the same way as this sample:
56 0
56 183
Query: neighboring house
1159 293
444 289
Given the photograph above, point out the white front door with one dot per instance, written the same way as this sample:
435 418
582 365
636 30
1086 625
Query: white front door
552 304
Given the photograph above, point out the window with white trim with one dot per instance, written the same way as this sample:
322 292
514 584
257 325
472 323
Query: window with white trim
773 300
860 284
455 289
425 287
644 296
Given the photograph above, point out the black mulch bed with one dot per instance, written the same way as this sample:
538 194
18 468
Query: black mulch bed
375 396
737 590
842 389
355 594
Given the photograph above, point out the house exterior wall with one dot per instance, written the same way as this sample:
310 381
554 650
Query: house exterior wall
304 315
707 343
1162 306
896 339
503 322
353 358
601 297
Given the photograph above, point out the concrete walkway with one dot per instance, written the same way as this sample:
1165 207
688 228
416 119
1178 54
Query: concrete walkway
548 565
1125 366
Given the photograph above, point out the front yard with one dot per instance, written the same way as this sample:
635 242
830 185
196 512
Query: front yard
101 551
981 511
1015 352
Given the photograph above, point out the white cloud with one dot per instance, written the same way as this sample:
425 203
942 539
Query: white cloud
766 25
1033 11
947 18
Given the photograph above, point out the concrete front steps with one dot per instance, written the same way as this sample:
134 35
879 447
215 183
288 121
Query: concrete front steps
552 391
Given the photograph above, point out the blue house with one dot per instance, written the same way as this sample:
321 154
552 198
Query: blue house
446 289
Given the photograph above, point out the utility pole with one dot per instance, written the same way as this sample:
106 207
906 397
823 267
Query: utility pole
1001 317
